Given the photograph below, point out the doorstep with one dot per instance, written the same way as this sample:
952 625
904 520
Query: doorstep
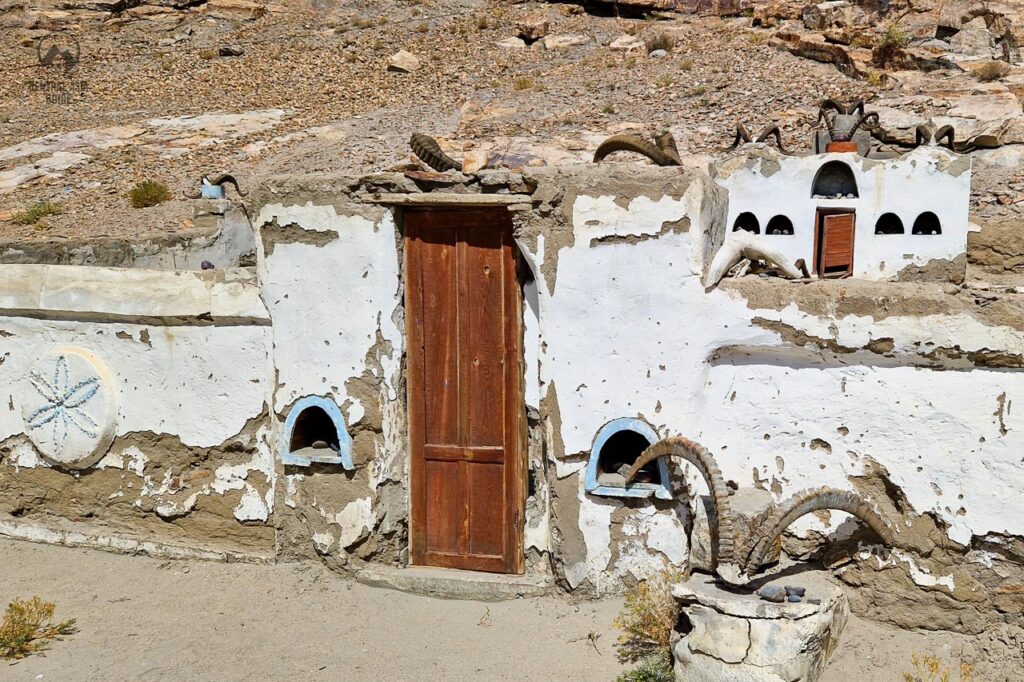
451 583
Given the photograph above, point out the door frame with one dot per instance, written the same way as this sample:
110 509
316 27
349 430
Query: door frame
515 483
819 216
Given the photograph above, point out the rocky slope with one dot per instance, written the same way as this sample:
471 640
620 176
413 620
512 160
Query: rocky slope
172 89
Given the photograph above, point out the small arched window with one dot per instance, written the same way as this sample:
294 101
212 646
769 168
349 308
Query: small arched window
780 224
889 223
835 180
314 432
927 223
747 221
616 448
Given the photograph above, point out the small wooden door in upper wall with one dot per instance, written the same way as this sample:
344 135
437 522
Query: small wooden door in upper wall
463 315
834 244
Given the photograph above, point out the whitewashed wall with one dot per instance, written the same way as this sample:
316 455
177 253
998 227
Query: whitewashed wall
926 179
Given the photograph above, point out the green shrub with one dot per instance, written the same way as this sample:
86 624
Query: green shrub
28 627
651 669
149 193
36 213
894 39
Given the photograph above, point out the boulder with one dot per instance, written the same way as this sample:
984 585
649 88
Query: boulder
974 40
242 10
562 41
835 14
533 27
627 43
403 62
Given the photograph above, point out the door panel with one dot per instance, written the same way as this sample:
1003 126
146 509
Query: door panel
835 244
463 312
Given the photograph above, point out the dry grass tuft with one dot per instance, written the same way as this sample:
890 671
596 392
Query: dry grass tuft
149 193
649 616
992 71
894 39
662 41
928 668
28 628
36 214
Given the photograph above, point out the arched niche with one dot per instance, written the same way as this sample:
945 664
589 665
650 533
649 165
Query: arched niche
616 445
779 224
315 433
889 223
927 223
833 180
747 221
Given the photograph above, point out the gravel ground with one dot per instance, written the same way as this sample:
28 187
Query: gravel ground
325 63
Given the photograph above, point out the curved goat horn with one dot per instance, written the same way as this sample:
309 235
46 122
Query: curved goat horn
922 135
948 133
868 121
632 143
829 103
427 149
225 178
804 503
695 454
823 116
772 130
743 136
667 143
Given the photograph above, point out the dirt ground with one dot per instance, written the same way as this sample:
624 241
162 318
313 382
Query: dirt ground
149 619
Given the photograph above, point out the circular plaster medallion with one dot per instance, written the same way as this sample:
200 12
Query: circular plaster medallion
69 407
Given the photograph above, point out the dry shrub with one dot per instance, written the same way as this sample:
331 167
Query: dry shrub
149 193
28 627
648 618
928 668
992 71
662 41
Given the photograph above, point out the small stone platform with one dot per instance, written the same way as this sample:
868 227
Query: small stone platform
737 636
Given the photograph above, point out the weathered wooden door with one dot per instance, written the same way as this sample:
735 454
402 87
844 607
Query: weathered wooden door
463 316
834 247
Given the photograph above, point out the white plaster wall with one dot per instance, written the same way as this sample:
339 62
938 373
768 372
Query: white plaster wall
329 304
201 384
629 331
907 186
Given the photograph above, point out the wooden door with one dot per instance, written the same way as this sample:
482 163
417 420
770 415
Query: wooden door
463 315
834 244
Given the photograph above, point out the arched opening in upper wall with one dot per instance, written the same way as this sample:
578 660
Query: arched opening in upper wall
779 224
889 223
927 223
747 222
835 180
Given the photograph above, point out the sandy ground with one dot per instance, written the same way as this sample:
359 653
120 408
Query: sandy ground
149 619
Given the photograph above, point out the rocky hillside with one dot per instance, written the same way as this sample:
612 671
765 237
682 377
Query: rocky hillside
101 95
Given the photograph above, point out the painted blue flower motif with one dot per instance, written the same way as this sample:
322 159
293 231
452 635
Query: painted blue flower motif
64 402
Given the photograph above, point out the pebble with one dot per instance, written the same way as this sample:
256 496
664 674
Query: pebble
793 590
658 54
772 593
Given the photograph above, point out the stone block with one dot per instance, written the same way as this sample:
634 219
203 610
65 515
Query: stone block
836 14
737 636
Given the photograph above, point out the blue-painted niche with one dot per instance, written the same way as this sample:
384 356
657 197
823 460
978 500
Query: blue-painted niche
618 444
315 433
